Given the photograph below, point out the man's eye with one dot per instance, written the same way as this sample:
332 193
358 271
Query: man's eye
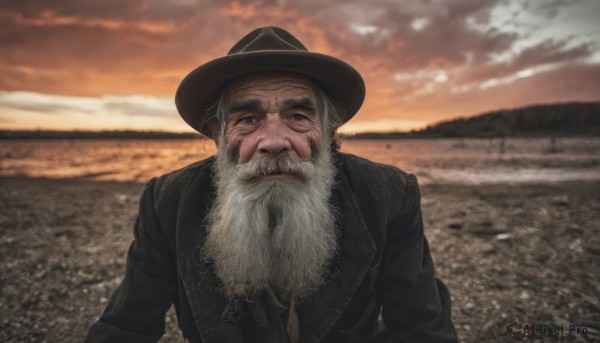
299 117
247 120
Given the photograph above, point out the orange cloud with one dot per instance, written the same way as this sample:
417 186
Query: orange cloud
238 10
50 19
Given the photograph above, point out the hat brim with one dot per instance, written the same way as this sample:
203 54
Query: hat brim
200 88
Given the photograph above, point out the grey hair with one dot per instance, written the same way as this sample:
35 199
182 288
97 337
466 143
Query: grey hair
332 113
217 114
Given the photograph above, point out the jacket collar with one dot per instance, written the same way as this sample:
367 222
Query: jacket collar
320 312
357 250
199 281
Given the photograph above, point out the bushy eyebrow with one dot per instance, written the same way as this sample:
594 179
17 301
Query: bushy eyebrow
255 105
245 105
304 104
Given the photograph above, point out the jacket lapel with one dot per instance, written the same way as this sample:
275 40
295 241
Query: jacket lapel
206 303
357 250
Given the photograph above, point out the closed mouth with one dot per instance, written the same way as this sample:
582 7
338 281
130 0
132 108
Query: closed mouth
277 174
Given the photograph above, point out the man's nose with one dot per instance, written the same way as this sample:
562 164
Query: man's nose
274 140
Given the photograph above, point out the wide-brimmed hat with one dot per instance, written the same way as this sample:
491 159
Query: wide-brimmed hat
267 49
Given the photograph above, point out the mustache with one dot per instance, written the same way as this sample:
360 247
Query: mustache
272 165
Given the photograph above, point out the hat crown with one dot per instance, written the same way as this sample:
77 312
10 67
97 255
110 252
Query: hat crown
267 38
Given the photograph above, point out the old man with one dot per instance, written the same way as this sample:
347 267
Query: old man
279 237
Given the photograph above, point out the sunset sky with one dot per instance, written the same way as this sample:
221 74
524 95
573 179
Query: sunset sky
116 64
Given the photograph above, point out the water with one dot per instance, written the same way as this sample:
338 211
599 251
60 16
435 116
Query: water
463 161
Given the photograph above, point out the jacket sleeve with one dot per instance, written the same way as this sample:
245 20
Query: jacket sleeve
136 311
416 306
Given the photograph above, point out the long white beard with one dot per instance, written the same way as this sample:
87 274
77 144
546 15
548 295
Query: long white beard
279 231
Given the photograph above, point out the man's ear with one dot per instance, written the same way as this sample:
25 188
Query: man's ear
214 132
334 140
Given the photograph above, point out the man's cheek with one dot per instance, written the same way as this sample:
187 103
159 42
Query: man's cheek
245 150
306 146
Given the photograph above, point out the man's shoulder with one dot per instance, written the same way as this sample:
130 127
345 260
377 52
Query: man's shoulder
193 175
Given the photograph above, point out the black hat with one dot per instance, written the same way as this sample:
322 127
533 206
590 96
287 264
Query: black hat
267 49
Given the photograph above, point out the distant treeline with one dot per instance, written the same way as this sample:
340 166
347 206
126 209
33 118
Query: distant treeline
127 134
565 119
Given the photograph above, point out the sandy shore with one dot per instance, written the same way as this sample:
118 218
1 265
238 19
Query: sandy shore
509 253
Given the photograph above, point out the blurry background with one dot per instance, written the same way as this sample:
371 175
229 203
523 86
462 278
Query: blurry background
494 105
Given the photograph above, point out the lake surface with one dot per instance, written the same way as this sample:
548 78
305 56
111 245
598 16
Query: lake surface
463 161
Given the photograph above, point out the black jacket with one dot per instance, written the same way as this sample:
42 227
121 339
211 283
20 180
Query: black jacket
383 266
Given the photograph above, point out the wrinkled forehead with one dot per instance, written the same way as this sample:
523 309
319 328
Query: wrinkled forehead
273 87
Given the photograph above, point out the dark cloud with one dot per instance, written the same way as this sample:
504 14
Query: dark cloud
549 9
574 82
551 52
547 52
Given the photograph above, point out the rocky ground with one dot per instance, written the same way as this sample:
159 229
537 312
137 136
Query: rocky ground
521 253
509 253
